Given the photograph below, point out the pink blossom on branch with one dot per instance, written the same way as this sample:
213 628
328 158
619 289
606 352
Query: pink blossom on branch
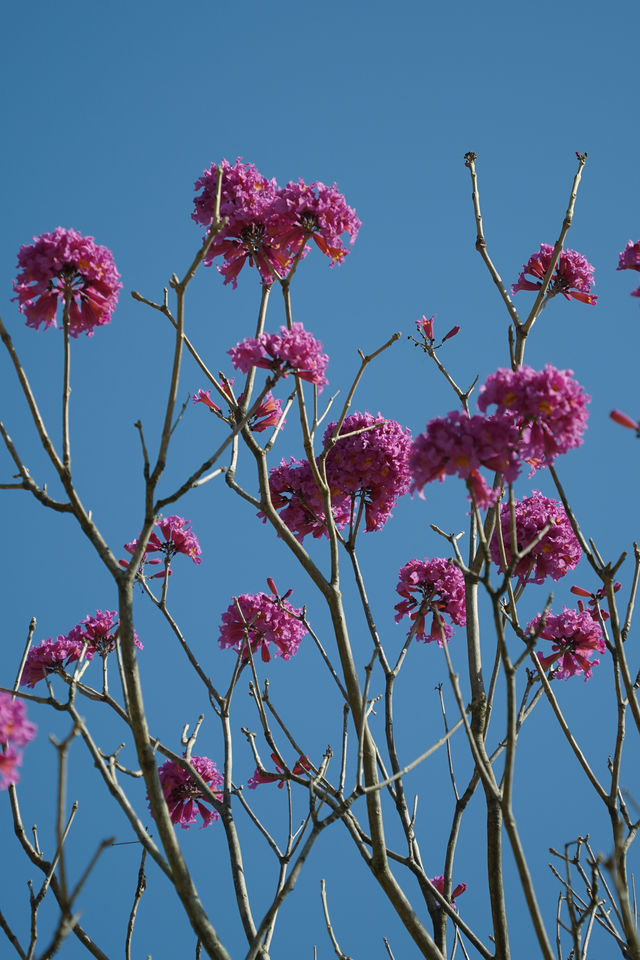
438 883
459 445
575 636
176 537
64 263
548 407
317 212
52 656
267 414
183 795
247 200
431 587
15 730
629 259
594 600
290 351
625 421
554 555
261 620
573 276
259 777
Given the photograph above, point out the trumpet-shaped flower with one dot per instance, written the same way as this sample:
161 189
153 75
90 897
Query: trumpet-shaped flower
629 259
573 276
176 537
184 797
459 445
290 351
431 588
438 883
246 201
258 620
317 212
548 407
575 636
267 414
301 765
15 730
65 265
554 555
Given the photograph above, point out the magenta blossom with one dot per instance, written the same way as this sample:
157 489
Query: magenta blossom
290 351
177 537
554 555
15 730
295 494
548 407
575 636
624 420
438 883
247 201
317 212
267 414
301 765
262 619
594 600
52 656
573 275
459 445
64 265
629 259
431 587
183 795
99 633
368 460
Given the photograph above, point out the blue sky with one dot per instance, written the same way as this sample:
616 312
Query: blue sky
110 114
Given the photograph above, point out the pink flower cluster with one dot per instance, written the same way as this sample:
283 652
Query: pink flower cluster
183 795
595 610
290 351
629 259
301 766
554 555
66 264
575 637
438 883
369 460
93 635
262 619
460 445
431 587
177 537
15 731
573 276
548 407
269 226
267 414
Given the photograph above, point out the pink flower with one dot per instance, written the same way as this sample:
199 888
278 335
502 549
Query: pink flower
438 883
317 212
548 407
370 467
426 326
301 765
295 494
460 445
10 760
370 460
629 259
594 600
14 725
429 586
267 415
183 795
262 619
100 633
554 555
15 730
573 275
290 351
575 636
52 656
625 421
247 200
64 263
177 538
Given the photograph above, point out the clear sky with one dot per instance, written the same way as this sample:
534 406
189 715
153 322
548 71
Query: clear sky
110 113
